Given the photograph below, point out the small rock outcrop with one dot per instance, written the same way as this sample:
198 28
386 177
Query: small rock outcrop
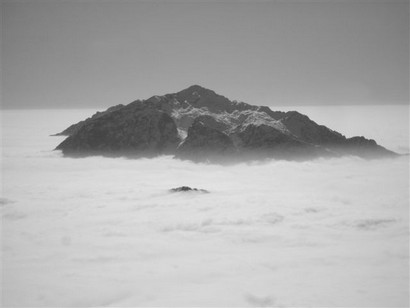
187 189
201 125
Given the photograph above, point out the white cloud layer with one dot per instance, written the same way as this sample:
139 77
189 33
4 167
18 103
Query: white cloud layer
107 232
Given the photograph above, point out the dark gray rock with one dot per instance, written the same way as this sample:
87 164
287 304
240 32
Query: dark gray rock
211 127
200 97
211 122
367 148
72 129
187 189
143 132
262 141
263 137
309 131
205 143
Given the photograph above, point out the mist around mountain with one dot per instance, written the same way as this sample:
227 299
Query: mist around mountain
318 233
200 125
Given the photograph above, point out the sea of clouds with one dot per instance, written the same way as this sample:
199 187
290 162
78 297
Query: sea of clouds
107 232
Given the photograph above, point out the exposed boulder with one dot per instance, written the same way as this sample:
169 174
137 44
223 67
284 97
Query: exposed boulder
187 189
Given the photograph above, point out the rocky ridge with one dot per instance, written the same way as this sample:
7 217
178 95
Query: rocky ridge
200 125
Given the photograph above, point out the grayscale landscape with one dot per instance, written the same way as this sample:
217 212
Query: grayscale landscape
205 154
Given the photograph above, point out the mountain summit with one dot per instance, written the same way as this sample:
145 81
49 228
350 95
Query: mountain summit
199 124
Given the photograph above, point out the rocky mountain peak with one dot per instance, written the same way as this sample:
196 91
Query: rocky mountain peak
199 90
198 124
200 97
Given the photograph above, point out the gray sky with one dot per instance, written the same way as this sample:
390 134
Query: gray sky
70 54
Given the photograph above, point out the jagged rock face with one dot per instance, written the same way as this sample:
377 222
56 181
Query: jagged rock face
211 122
361 142
262 141
305 129
363 147
199 97
72 129
210 127
147 131
204 142
263 137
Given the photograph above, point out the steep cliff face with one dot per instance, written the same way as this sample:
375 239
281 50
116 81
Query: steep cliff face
72 129
147 131
205 143
198 124
306 129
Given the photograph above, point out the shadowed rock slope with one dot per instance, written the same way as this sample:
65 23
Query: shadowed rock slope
200 125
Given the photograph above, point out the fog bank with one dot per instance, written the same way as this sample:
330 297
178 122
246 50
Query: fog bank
107 232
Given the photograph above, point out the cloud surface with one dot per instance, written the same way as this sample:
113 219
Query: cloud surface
107 232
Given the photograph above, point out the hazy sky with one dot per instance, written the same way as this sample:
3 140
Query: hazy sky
70 54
